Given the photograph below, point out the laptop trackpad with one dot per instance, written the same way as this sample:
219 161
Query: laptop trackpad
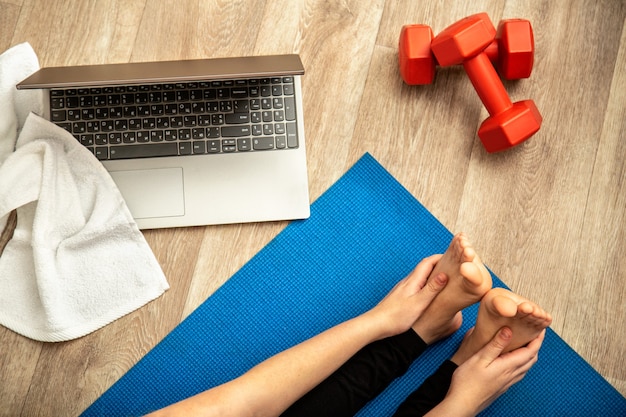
152 192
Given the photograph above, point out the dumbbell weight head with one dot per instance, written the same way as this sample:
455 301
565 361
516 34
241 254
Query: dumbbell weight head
516 49
417 62
464 39
465 42
510 128
512 51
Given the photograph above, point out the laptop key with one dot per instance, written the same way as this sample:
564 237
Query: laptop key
57 103
115 138
184 148
199 147
72 102
263 143
290 108
239 92
288 89
237 118
213 132
279 115
144 151
58 115
101 153
213 146
184 134
128 137
143 136
198 133
243 144
235 131
292 135
86 140
241 106
101 138
156 136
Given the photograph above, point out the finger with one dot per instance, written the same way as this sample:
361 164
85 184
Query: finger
498 343
433 287
437 283
423 269
427 265
524 358
529 364
528 352
520 372
536 343
532 350
432 260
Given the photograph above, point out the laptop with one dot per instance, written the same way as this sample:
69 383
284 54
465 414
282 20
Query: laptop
193 142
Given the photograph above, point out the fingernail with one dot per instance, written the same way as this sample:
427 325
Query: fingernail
506 333
441 278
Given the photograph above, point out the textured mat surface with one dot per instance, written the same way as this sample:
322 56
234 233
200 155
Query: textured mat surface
365 233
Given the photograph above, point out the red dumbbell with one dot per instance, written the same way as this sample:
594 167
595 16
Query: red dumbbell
465 42
512 51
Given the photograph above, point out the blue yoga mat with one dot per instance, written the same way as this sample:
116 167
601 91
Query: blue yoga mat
365 233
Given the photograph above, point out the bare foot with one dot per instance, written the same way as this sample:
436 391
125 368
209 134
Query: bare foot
500 308
468 281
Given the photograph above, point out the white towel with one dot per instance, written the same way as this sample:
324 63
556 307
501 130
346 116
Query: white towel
15 105
77 260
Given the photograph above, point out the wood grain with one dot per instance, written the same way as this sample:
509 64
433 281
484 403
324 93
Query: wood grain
547 217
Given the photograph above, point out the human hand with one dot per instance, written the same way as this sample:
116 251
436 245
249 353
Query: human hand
409 298
489 373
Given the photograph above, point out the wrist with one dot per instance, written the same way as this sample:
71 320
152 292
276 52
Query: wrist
377 325
451 406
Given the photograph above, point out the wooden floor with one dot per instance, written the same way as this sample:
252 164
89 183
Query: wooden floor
548 217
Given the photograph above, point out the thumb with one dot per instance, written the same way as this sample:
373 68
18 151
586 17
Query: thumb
435 284
496 345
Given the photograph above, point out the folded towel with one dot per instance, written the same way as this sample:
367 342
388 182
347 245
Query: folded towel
77 260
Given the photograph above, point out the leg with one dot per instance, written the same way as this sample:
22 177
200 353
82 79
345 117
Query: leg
360 379
432 391
498 308
469 281
369 372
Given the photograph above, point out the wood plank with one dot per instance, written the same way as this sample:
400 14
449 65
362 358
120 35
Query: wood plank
335 44
528 207
547 216
9 13
79 33
601 288
189 30
18 360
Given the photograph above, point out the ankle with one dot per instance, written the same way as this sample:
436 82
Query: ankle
432 331
466 350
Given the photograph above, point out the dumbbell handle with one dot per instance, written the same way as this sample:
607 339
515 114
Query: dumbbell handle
492 51
487 84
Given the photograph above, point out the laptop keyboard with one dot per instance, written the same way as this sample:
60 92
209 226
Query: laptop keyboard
212 117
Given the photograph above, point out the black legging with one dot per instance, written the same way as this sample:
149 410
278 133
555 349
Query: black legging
367 374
